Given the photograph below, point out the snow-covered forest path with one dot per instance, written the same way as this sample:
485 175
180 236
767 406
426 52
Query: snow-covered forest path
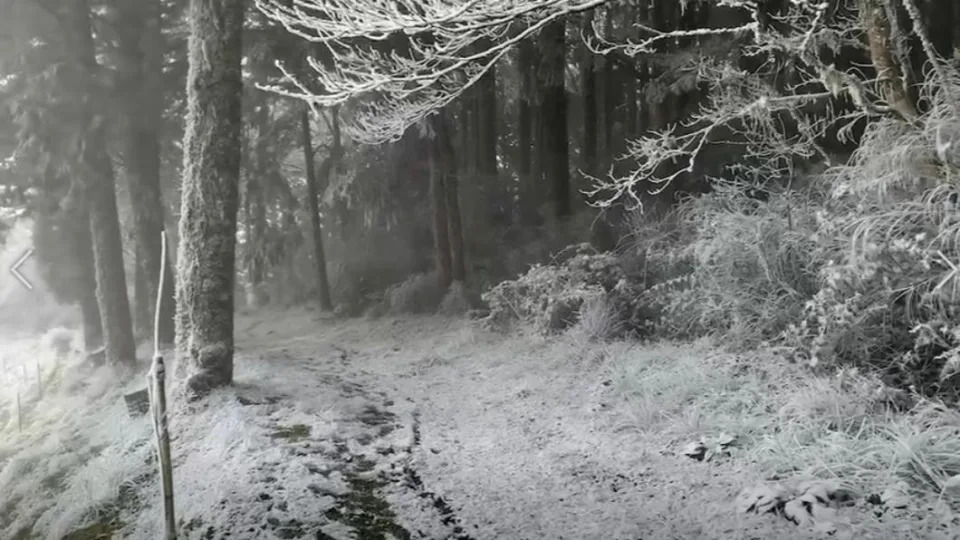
436 429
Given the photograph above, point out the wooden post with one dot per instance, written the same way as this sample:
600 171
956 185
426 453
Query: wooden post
156 385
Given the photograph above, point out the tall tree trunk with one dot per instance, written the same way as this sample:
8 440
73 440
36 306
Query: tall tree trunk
557 166
525 133
256 180
629 78
441 230
487 127
82 245
608 94
320 258
660 19
140 66
487 166
446 160
142 320
891 81
101 198
208 222
589 99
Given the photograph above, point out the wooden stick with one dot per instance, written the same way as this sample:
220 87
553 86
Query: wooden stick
158 405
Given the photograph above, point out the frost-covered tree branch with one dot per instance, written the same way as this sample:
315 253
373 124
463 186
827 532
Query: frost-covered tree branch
405 59
397 62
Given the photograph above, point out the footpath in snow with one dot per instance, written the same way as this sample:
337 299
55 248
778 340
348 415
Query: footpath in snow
386 428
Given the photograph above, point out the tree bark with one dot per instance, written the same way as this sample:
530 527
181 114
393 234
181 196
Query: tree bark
525 137
629 82
140 68
556 166
608 95
323 283
101 199
487 127
142 319
447 160
891 81
208 222
589 99
256 205
441 231
82 244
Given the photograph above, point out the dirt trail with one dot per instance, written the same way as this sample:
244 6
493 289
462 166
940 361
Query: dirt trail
389 429
505 437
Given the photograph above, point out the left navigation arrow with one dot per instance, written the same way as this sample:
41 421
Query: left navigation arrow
16 272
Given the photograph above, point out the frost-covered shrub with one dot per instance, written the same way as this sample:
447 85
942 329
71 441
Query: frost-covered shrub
419 293
550 297
889 284
750 267
458 300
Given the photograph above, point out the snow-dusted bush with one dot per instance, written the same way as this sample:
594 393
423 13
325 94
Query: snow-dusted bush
419 293
458 300
751 266
550 297
889 286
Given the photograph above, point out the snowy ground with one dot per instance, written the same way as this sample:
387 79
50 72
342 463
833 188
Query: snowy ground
389 428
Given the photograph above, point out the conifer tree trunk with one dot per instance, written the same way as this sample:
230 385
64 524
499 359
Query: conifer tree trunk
140 67
101 199
441 230
525 133
208 222
446 160
255 203
82 245
556 166
487 127
313 192
608 93
589 99
142 320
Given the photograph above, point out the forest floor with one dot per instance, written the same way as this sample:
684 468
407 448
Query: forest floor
431 427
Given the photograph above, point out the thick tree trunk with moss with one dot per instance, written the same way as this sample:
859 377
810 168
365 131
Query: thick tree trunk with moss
140 66
313 192
101 199
208 222
891 82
